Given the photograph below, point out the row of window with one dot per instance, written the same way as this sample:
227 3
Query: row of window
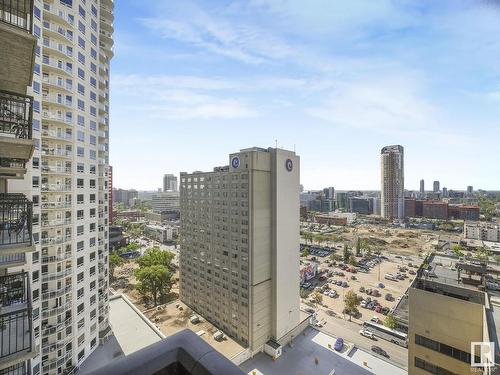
447 350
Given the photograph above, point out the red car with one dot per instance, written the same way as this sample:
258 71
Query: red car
378 308
322 278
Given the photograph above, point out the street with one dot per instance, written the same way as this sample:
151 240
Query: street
349 331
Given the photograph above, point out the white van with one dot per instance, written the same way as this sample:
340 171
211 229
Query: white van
388 276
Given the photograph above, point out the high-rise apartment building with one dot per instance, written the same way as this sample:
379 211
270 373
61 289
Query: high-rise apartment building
169 182
422 187
435 186
19 288
239 258
67 178
392 182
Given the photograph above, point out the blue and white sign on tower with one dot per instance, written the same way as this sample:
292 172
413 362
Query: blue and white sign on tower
235 162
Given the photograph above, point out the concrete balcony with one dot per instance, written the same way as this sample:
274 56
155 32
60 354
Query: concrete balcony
16 143
16 335
56 30
18 45
16 213
52 13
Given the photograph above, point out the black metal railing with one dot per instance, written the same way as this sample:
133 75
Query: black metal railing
12 259
16 114
15 333
14 289
16 216
17 369
17 13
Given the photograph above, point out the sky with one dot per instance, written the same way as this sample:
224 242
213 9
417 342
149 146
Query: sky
192 81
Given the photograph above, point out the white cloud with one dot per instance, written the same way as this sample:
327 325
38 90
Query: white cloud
217 34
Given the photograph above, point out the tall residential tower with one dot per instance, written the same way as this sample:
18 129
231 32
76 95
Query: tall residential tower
67 178
169 182
392 182
239 257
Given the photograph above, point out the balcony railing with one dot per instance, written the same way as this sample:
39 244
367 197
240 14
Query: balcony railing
15 314
13 289
17 13
16 216
16 112
8 259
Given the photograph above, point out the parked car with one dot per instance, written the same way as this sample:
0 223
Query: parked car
381 285
411 272
363 303
353 277
375 319
332 294
385 310
367 333
344 284
339 283
309 310
378 350
322 278
339 344
388 297
388 276
362 289
378 309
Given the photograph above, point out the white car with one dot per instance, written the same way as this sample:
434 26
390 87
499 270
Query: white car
332 294
366 333
363 303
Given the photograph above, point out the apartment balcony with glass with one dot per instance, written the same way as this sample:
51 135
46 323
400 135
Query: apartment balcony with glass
18 45
16 334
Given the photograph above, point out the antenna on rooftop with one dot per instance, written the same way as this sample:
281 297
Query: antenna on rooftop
276 143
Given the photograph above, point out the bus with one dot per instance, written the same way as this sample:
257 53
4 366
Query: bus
385 333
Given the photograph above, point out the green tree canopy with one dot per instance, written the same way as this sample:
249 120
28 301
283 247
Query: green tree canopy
390 321
351 301
154 282
156 256
347 253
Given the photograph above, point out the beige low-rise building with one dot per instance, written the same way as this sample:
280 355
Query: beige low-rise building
449 308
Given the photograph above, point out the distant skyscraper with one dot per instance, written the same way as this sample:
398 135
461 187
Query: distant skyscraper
470 189
422 187
169 182
392 182
435 186
445 192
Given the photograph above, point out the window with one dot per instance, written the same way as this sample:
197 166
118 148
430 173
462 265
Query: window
80 168
450 351
81 42
93 53
81 105
36 87
80 151
93 67
79 214
79 246
81 73
93 82
92 139
81 11
80 136
36 181
79 263
80 120
81 27
81 57
92 125
93 111
430 368
79 197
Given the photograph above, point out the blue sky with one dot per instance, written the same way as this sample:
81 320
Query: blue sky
192 81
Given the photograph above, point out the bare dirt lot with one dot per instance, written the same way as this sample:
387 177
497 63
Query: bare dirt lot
173 316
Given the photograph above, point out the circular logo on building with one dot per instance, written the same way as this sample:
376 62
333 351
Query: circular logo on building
289 165
235 162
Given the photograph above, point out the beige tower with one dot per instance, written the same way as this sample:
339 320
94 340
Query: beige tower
392 182
239 256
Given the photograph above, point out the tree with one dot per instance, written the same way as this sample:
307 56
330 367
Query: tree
114 261
358 247
317 297
154 282
390 321
458 250
352 261
155 256
347 253
368 252
305 252
351 301
335 257
307 236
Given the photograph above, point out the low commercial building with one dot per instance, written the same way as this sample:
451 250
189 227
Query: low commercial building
336 218
435 210
162 217
361 205
482 231
160 233
166 201
450 307
463 212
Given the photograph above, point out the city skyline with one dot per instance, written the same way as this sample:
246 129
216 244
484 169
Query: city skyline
340 82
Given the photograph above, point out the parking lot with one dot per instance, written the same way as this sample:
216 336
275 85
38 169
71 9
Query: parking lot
368 282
